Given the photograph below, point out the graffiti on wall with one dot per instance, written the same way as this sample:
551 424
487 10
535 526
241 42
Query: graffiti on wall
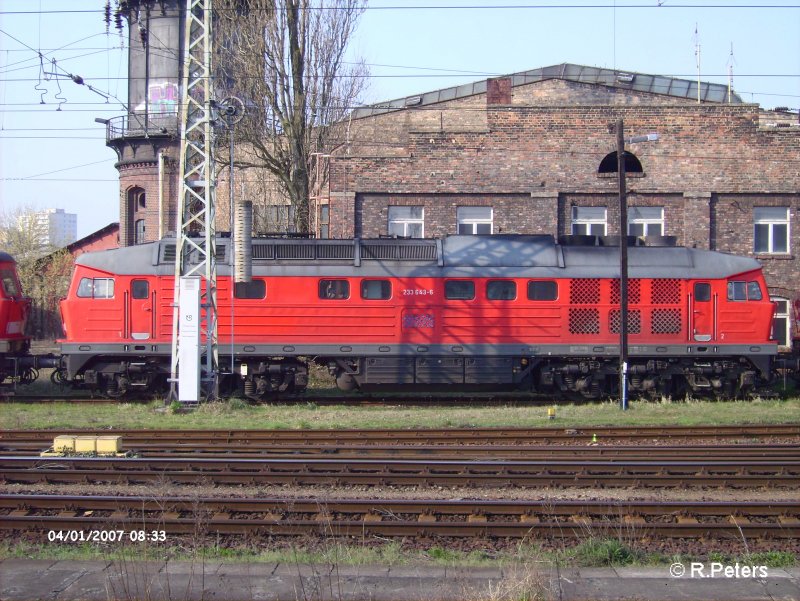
162 97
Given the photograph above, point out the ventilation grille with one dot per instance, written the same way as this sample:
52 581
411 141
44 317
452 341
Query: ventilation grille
666 321
634 321
584 321
263 251
294 251
634 292
332 250
666 292
584 292
394 251
169 252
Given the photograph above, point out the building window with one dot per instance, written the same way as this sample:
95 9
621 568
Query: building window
273 219
138 232
609 163
771 230
474 220
589 221
781 323
645 221
324 221
406 222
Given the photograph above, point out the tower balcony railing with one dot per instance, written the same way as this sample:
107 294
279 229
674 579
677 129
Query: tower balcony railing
141 125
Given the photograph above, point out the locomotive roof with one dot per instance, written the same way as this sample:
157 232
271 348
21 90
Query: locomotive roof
454 256
6 258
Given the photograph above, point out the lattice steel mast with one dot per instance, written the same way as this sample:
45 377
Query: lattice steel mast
195 244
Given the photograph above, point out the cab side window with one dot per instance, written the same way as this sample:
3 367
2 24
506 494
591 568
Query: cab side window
542 290
140 289
253 290
501 290
753 291
9 283
376 289
459 289
96 288
334 289
702 292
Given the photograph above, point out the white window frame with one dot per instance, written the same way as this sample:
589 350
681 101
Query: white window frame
772 222
471 222
399 224
638 216
584 224
786 315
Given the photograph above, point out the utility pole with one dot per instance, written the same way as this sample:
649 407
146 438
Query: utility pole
623 259
623 269
195 251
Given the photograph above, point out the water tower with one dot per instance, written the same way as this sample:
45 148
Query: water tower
147 138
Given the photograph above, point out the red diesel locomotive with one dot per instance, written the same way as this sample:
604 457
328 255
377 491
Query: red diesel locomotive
511 312
16 364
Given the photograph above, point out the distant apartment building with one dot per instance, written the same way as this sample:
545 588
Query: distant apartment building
56 228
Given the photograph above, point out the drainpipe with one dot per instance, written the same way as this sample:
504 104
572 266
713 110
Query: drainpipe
160 194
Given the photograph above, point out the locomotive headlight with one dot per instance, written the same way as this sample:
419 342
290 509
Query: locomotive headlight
523 361
243 369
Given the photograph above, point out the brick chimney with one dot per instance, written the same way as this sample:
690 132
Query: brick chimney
498 90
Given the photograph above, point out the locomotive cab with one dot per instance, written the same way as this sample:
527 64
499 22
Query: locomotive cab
14 308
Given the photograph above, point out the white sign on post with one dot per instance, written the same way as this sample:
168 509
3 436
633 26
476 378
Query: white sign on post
189 340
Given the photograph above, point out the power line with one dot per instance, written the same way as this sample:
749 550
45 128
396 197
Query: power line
419 7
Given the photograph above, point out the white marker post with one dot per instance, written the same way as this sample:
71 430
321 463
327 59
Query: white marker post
189 341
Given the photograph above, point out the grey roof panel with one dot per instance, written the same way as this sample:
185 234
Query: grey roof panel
468 256
500 251
615 78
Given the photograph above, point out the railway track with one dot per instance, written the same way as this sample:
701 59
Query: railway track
167 449
455 436
391 518
352 471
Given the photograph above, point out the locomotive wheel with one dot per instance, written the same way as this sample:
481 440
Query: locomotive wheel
59 377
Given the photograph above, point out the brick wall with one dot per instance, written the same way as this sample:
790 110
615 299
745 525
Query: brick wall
536 158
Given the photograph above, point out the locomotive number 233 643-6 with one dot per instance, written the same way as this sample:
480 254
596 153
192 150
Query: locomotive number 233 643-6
417 292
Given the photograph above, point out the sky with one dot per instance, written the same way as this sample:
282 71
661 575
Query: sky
53 153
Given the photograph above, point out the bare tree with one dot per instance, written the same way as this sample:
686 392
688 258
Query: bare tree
286 60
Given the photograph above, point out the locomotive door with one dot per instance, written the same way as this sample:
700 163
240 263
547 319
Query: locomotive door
141 310
702 311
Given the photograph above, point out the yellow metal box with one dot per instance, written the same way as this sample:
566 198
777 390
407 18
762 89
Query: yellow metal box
64 444
109 444
85 444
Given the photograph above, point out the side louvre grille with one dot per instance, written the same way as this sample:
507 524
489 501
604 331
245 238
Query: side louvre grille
167 253
395 251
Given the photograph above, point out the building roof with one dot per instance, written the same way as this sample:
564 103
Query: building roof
104 231
613 78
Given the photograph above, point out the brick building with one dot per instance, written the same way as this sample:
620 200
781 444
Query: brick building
535 153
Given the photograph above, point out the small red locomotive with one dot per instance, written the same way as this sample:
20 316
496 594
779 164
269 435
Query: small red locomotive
471 312
15 364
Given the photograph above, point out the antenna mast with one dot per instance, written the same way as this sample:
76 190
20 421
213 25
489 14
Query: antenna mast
730 75
195 251
697 58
